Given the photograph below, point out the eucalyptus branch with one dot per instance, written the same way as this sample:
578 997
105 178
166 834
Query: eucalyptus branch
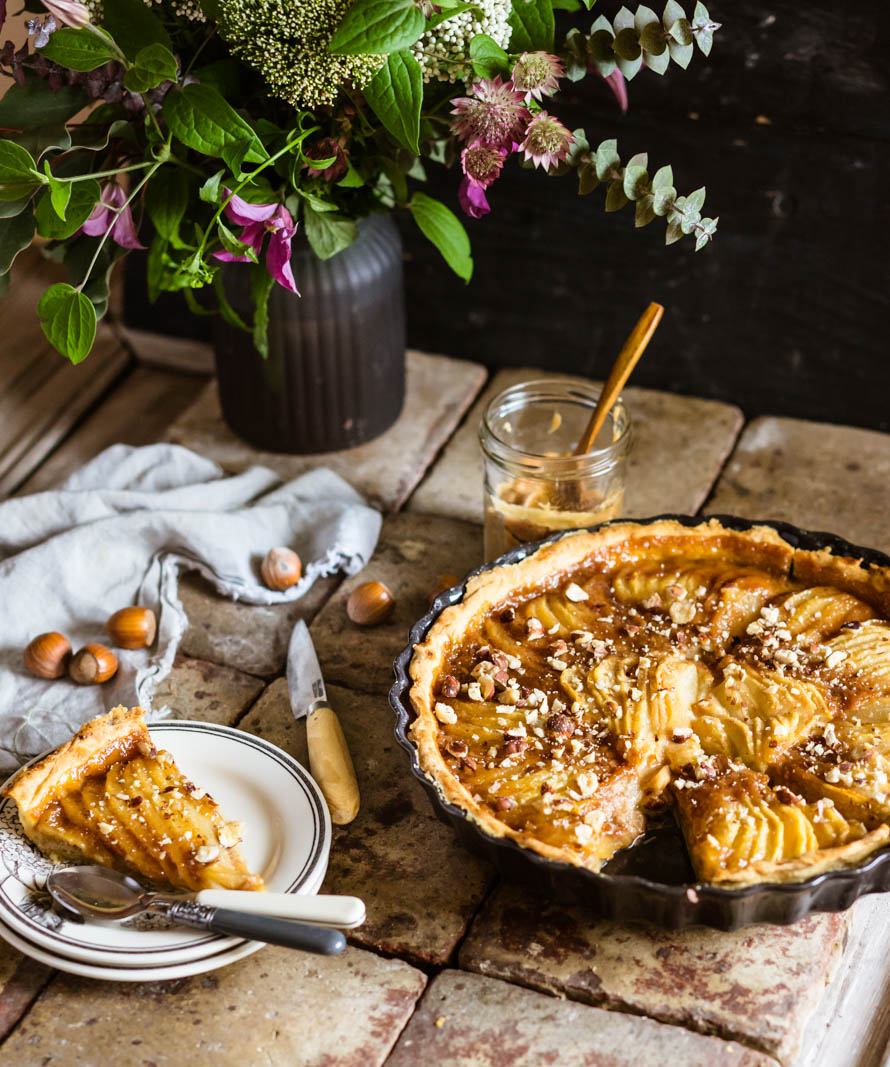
636 39
653 198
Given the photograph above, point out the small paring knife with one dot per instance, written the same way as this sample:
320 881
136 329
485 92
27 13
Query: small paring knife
329 758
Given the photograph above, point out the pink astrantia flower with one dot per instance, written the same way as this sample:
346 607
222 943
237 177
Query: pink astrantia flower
494 115
617 84
537 74
258 220
106 213
546 142
482 164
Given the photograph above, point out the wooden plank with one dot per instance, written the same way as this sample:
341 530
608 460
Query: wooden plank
137 412
174 353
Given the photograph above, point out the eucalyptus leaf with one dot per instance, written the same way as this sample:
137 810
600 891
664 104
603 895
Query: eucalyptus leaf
663 178
68 320
696 200
607 160
80 50
615 196
395 95
672 12
636 182
587 179
652 39
84 197
327 233
378 27
15 235
681 32
681 54
663 199
626 45
153 64
673 233
630 68
658 64
201 119
644 212
533 26
441 226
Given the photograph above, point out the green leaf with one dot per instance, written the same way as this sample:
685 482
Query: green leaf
663 178
316 202
133 25
59 193
378 27
10 208
34 104
328 234
487 56
229 314
154 267
41 139
696 200
18 175
441 226
351 179
607 160
209 191
615 197
201 119
644 213
84 196
224 75
663 200
395 95
232 244
94 136
153 64
78 49
261 283
15 235
166 200
532 22
68 320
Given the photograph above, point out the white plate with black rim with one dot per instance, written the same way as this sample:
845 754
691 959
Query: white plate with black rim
287 839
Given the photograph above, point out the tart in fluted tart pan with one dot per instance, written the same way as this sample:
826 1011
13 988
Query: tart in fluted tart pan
726 677
109 796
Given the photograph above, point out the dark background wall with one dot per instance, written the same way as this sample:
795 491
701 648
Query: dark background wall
788 125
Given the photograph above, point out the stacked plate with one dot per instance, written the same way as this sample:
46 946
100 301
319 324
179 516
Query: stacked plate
287 840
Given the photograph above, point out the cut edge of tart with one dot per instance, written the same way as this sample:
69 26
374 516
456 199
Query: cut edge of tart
777 841
109 796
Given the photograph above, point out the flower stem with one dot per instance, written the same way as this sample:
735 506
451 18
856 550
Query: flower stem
106 173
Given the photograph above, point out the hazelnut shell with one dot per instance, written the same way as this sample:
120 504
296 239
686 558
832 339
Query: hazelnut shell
47 656
132 627
92 665
281 568
370 603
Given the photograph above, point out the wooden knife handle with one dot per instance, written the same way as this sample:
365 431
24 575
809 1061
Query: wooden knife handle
331 764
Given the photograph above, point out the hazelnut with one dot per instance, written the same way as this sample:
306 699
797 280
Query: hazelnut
369 604
132 627
281 568
456 748
92 665
560 726
450 686
48 654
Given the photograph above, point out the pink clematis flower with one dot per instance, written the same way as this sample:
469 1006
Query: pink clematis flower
257 220
68 12
617 84
103 215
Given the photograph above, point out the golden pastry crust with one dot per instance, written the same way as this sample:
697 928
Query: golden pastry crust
745 572
110 797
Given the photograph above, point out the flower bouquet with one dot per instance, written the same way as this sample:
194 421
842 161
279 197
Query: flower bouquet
207 131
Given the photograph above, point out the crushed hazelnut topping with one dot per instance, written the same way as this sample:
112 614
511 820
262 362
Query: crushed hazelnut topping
445 714
575 593
206 853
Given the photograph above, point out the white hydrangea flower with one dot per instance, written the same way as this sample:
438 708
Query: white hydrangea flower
443 52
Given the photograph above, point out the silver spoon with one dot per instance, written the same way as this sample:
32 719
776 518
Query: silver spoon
100 893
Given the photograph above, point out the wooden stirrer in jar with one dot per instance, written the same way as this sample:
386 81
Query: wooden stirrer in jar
627 359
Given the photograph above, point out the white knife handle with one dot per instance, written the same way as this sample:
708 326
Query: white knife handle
345 912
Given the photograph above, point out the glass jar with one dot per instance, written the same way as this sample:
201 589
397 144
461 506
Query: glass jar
533 485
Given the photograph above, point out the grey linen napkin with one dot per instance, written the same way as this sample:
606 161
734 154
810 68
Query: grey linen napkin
120 531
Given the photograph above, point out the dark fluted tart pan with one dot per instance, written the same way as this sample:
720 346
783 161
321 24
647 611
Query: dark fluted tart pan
652 880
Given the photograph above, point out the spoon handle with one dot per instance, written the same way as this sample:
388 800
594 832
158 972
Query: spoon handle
319 939
328 909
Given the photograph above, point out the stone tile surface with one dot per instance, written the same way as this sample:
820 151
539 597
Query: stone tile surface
412 553
250 637
198 689
758 985
680 444
21 979
816 475
278 1007
438 392
420 887
465 1020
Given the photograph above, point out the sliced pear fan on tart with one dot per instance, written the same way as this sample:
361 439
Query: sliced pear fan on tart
725 675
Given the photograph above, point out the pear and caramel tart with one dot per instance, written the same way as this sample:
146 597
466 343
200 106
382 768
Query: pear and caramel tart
109 796
726 677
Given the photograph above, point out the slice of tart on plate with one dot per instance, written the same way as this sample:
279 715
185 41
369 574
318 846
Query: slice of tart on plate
109 796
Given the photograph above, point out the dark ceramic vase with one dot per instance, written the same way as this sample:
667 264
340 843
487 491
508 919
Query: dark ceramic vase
335 374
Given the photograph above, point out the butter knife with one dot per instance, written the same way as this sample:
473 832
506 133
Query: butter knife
329 758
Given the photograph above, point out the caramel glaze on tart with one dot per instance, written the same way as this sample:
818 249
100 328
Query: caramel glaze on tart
728 677
109 796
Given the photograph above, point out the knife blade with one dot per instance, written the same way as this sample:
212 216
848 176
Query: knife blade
329 758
